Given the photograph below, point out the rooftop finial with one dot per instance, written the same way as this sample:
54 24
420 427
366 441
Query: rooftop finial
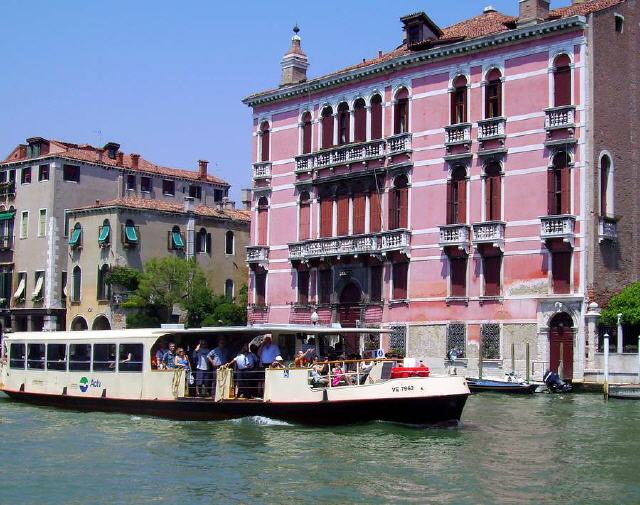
296 29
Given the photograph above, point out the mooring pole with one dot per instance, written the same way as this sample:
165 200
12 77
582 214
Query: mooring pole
561 361
606 366
513 358
526 352
480 362
639 359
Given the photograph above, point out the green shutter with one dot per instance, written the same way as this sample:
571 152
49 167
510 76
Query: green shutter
7 215
104 234
130 234
75 237
178 243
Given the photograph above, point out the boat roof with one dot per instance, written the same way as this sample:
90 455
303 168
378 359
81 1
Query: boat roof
155 333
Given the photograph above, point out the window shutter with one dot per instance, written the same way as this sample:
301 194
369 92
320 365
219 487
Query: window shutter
326 217
492 275
393 209
261 281
493 198
265 145
376 119
403 218
360 119
375 212
400 280
454 106
450 209
208 243
498 111
262 226
462 201
376 284
565 190
303 287
463 105
561 271
358 213
306 137
343 215
562 86
327 131
551 207
458 276
305 213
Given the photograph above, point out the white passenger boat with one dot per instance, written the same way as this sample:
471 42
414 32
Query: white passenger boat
115 371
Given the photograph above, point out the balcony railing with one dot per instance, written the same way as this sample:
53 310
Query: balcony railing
399 143
454 235
257 254
6 243
493 128
607 229
489 232
562 226
369 243
457 134
7 188
560 117
261 170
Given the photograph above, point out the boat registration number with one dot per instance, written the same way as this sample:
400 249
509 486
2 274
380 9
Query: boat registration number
398 389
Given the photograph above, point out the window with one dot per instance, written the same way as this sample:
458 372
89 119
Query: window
265 138
42 222
493 193
229 242
168 187
558 185
459 101
458 276
75 241
38 290
263 217
17 356
327 127
3 176
359 212
619 22
6 229
145 184
261 288
491 270
63 291
325 286
203 241
77 284
490 341
79 357
456 339
562 81
342 211
606 187
561 272
228 289
12 176
306 133
103 289
401 112
104 357
303 287
493 95
304 224
176 241
326 216
376 117
6 277
24 224
33 150
57 357
130 357
19 295
359 121
66 222
130 234
195 191
43 173
375 212
131 182
457 196
104 234
25 175
376 283
399 203
343 124
400 272
35 356
71 173
218 195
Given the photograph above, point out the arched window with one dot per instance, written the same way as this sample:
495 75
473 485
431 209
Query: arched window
561 81
263 217
360 121
130 234
401 112
304 224
359 210
606 187
399 203
376 117
459 101
265 135
342 203
558 185
375 211
203 241
343 124
75 241
77 284
493 192
457 196
327 127
228 289
493 95
176 241
306 133
104 289
229 242
326 215
104 234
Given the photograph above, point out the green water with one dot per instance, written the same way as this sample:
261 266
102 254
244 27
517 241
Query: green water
539 449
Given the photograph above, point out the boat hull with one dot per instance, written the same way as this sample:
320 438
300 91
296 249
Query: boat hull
478 386
624 392
433 410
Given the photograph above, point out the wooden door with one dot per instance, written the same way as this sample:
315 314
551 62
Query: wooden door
561 345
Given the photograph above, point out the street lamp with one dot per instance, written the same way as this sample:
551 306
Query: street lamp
315 317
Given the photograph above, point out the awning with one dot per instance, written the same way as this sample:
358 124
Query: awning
130 234
20 291
37 292
178 243
104 234
75 236
7 214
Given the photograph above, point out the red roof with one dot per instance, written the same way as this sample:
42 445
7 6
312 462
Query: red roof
89 153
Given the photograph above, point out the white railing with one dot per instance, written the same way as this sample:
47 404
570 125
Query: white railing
557 226
607 229
257 253
488 231
454 235
491 128
395 239
560 117
360 244
399 143
304 162
457 133
262 170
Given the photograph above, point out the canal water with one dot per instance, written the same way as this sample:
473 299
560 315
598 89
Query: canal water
542 449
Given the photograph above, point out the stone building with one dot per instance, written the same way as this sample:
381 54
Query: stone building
472 189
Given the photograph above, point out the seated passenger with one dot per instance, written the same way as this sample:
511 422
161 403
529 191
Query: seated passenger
277 363
318 374
302 358
339 377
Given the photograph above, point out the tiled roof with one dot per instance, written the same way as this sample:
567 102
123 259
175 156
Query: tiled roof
89 153
162 206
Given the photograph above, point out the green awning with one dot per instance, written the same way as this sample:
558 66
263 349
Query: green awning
130 234
75 236
178 243
7 214
104 234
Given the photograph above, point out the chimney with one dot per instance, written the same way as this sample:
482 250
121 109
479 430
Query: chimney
245 198
202 169
22 151
112 149
533 11
228 204
294 63
576 2
97 202
99 154
135 158
119 158
188 204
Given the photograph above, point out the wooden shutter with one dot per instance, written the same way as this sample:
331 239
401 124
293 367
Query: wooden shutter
463 105
343 215
261 282
604 182
376 283
325 286
376 119
498 109
565 190
306 136
562 86
360 120
551 193
492 275
454 106
326 217
327 131
493 198
462 201
450 208
458 276
264 154
401 116
263 214
305 224
208 243
359 204
561 271
375 212
400 271
303 287
393 209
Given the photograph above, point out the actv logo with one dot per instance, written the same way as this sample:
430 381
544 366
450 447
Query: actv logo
84 384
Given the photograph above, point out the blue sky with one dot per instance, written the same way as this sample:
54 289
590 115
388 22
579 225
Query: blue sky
165 78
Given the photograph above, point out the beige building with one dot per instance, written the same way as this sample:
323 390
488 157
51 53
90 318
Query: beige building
130 231
39 182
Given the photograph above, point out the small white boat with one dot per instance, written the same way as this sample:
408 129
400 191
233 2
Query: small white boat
624 391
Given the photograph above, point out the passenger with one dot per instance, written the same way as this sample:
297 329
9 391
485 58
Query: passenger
169 357
278 362
182 360
339 377
217 357
302 358
268 352
252 377
318 376
309 348
203 375
244 362
159 354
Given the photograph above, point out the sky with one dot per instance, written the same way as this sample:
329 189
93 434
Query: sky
165 79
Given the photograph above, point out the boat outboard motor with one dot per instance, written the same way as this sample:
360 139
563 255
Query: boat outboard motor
555 383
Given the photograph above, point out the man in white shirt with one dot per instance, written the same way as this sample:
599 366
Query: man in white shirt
268 352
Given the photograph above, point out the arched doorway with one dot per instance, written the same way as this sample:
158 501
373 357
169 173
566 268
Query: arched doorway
79 323
349 314
101 323
561 345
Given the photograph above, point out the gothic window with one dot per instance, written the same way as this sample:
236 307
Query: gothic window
305 217
263 216
459 101
562 81
493 95
376 117
306 133
606 187
399 204
360 121
327 127
343 124
229 242
493 192
558 185
457 196
265 135
401 112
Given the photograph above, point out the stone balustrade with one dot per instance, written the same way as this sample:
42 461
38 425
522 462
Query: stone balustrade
457 134
561 226
454 235
261 170
493 128
257 254
607 229
489 232
560 117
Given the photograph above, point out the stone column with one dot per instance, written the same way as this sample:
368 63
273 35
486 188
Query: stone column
591 322
352 125
619 346
336 127
368 116
51 276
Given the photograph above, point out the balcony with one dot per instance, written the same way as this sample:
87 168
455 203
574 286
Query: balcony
262 170
457 135
7 189
489 232
6 243
492 131
559 117
258 255
607 229
398 144
396 240
558 227
455 235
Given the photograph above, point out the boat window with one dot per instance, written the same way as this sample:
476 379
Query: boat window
104 357
35 356
17 356
79 357
57 357
130 358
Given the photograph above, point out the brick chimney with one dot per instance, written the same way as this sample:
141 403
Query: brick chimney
202 169
533 11
22 151
119 158
294 63
135 159
99 154
188 204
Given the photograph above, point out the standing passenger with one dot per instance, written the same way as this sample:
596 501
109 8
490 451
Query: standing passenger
169 358
217 357
202 367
